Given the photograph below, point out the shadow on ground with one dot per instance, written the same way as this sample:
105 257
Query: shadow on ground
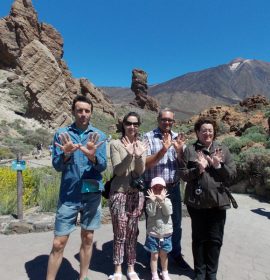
36 269
102 261
262 212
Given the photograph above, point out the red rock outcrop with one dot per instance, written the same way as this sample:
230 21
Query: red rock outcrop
34 51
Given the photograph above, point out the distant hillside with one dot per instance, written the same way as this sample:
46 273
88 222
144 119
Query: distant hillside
119 95
193 92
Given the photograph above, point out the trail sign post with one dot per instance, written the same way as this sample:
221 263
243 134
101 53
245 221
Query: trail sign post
19 165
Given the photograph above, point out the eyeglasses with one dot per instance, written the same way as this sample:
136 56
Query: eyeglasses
205 131
135 124
167 120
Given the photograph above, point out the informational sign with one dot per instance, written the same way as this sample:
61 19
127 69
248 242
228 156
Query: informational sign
18 165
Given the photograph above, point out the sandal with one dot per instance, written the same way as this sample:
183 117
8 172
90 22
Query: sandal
165 275
131 274
112 277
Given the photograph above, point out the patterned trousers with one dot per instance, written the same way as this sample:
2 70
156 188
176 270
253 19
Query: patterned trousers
125 211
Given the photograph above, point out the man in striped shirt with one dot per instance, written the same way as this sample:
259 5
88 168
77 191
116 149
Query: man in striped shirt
165 148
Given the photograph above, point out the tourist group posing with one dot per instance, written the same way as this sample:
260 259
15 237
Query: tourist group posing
157 162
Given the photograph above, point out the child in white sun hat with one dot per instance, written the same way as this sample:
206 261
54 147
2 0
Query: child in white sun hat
159 227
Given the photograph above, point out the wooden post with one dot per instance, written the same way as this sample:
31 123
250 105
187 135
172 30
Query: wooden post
19 191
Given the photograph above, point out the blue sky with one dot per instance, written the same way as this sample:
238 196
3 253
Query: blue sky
105 39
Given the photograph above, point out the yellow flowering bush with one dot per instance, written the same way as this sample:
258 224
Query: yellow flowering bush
35 191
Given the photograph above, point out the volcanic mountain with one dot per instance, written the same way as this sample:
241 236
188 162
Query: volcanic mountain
193 92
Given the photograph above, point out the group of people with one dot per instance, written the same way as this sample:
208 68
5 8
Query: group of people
158 160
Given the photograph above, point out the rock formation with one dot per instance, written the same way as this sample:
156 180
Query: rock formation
253 101
139 87
235 121
34 52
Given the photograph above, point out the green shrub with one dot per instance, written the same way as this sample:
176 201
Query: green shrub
254 137
6 153
222 128
48 198
267 144
267 114
234 144
40 135
254 129
47 188
19 126
254 160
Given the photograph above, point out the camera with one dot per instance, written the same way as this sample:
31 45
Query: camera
138 183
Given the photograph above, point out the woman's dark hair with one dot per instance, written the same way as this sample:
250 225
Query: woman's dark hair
130 114
203 120
81 98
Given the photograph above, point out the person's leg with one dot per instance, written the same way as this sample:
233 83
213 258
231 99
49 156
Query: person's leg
165 245
119 223
175 197
164 264
56 256
134 207
85 252
153 264
65 223
199 227
216 223
90 221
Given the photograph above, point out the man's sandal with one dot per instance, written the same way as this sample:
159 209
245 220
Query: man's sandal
113 277
132 275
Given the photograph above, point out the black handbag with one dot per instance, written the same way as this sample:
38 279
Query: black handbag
107 188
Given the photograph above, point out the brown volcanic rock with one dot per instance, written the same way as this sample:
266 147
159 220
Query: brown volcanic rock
25 18
139 82
237 121
254 101
52 39
100 101
35 50
9 49
47 93
139 87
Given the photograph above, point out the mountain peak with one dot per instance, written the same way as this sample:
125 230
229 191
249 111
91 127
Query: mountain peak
235 63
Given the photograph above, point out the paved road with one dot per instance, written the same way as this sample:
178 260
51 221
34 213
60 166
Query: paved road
245 254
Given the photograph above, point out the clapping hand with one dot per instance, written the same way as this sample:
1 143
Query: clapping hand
140 148
128 145
161 197
166 140
216 159
67 145
90 149
151 195
202 161
179 142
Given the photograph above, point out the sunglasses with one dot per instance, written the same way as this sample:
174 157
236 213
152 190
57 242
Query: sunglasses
135 124
167 120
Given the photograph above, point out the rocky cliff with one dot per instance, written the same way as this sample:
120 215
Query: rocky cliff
33 52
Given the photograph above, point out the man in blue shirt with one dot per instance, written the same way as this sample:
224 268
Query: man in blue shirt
79 152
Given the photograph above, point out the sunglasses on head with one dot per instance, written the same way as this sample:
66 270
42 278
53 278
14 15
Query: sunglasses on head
135 124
